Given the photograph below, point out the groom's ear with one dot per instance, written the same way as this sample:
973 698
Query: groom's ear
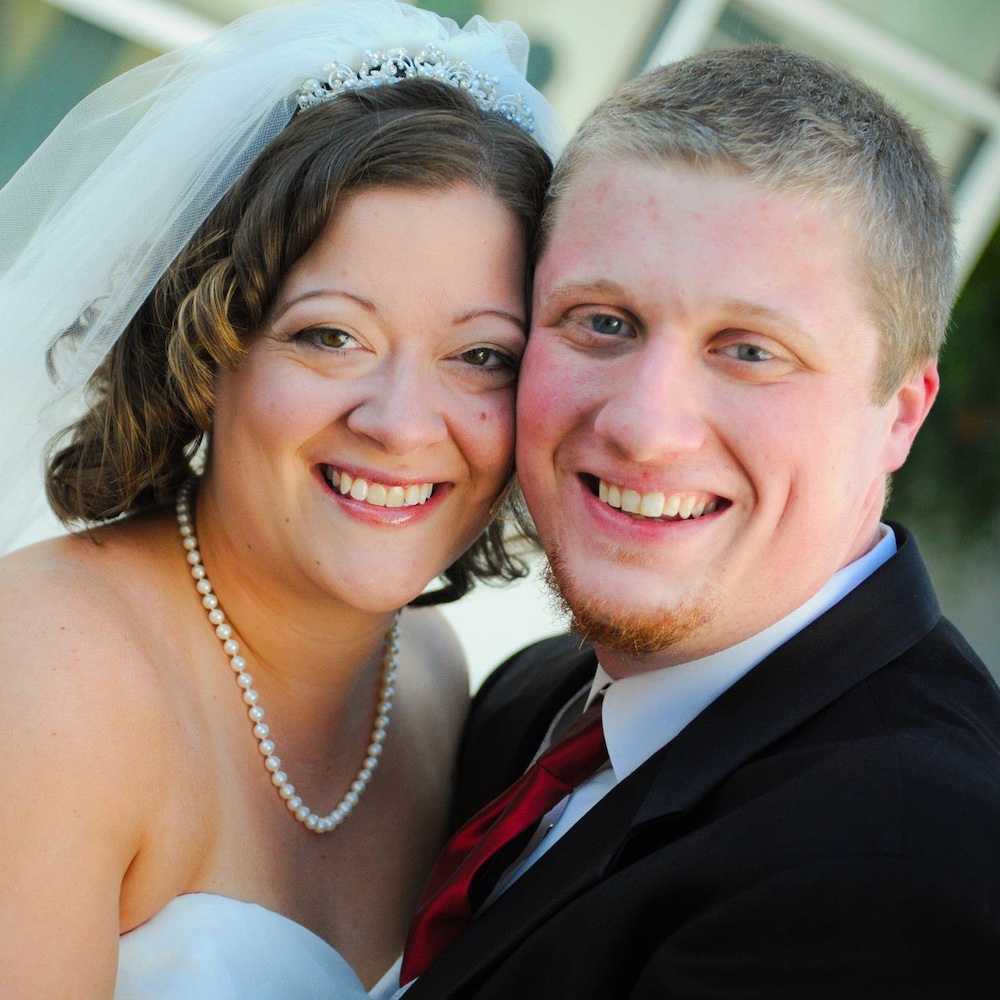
911 403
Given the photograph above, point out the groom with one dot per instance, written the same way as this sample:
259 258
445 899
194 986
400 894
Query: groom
744 285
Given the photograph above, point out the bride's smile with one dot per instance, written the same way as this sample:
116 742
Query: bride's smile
378 396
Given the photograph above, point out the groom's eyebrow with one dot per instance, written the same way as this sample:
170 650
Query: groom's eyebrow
600 287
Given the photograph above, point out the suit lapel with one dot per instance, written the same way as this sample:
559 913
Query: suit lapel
873 625
877 622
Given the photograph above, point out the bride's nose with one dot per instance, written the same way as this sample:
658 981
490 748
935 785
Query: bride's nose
401 410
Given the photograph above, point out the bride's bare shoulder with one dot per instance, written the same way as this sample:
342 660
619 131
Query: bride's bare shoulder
68 607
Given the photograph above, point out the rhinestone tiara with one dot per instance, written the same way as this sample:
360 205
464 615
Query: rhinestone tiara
381 68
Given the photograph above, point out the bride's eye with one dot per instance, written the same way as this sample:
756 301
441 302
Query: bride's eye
489 359
328 337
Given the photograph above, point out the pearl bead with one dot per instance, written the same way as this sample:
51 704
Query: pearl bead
266 746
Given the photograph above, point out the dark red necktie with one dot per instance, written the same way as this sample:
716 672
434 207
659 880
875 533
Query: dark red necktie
444 909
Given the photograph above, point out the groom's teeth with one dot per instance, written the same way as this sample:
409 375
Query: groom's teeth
377 494
687 506
631 501
652 505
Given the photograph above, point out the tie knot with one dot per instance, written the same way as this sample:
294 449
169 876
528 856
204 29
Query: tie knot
577 754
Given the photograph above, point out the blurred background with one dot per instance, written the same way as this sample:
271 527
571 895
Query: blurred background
939 60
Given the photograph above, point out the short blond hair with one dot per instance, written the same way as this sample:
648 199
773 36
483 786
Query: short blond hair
798 124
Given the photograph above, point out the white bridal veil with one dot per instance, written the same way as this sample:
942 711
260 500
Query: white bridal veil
91 221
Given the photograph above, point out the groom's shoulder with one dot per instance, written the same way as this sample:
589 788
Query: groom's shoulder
555 667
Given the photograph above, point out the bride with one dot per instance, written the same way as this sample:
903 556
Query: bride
229 753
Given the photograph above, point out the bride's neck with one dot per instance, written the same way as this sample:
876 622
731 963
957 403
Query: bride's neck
311 648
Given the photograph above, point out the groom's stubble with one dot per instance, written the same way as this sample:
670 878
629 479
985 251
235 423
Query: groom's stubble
635 635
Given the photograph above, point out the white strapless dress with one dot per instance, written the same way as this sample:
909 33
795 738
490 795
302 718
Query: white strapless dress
206 947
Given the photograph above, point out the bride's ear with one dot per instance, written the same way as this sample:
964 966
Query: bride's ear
910 405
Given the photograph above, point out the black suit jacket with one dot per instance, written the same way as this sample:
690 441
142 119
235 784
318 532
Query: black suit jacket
829 827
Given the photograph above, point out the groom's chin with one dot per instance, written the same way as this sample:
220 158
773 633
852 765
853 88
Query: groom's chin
635 635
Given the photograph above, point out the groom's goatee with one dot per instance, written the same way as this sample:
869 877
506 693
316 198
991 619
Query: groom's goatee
635 635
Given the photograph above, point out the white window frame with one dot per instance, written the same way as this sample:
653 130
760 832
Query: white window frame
155 24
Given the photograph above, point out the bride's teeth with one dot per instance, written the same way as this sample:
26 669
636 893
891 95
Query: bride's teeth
671 507
652 505
698 510
686 507
377 494
709 507
614 496
602 491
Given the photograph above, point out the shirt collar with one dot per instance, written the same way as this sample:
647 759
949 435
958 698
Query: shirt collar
644 712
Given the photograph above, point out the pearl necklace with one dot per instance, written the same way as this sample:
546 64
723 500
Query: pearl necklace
261 731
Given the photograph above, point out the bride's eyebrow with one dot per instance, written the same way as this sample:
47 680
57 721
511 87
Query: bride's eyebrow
317 293
518 321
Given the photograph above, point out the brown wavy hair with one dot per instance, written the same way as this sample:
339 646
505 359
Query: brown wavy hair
152 398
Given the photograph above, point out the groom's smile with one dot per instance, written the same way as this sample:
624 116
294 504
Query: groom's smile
696 422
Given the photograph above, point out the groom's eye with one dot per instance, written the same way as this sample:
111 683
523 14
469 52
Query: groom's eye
607 325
